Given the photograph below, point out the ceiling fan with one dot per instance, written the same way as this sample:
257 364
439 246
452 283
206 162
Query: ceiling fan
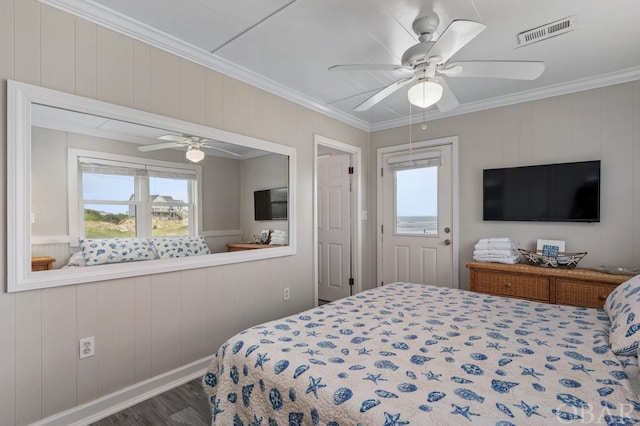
427 59
194 145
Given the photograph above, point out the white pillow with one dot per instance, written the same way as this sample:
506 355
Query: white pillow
623 308
76 259
115 250
173 247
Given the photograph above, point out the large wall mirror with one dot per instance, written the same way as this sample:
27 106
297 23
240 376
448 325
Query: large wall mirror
98 191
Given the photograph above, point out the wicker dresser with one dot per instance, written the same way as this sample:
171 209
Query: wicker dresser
577 287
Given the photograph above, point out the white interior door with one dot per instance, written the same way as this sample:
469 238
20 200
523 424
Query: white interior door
417 216
334 227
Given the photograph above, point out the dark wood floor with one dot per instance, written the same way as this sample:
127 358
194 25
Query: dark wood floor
184 405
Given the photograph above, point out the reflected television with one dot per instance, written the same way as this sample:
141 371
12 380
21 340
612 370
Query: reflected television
566 192
270 204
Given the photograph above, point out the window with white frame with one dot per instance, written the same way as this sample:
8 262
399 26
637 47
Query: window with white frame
121 197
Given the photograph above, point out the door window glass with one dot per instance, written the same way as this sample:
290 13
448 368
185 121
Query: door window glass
416 201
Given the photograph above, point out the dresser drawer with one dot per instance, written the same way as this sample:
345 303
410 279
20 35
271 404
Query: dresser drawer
513 285
580 293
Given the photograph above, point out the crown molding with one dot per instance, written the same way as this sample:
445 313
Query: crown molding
98 14
618 77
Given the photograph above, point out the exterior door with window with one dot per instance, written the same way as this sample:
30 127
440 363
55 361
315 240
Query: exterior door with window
418 216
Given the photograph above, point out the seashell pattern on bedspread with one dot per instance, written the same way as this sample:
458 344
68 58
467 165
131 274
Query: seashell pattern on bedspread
411 354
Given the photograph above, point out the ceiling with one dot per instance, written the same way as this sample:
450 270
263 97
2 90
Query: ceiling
287 46
65 120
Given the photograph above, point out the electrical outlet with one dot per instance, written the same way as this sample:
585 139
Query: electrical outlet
286 294
87 347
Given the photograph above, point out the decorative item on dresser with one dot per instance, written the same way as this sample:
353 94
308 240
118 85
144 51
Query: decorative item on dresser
577 287
566 260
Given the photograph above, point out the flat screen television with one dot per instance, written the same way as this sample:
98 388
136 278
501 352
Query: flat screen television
567 192
270 204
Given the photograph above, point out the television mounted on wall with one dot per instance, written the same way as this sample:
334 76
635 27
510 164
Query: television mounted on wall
270 204
566 192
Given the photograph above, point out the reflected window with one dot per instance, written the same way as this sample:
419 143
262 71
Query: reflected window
170 200
131 199
107 207
416 206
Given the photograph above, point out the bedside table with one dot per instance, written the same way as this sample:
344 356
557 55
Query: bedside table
42 263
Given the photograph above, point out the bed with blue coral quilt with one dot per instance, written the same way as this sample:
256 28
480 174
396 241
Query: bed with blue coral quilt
411 354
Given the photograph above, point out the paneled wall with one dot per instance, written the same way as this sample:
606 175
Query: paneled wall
601 124
146 325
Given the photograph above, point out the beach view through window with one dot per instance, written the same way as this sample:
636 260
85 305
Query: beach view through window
417 201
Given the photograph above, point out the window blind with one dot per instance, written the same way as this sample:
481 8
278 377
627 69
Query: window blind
415 161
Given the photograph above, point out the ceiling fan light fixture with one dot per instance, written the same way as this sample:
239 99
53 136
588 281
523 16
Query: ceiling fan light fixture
425 93
194 154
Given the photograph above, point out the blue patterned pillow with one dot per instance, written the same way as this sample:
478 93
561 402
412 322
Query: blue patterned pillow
623 308
172 247
115 250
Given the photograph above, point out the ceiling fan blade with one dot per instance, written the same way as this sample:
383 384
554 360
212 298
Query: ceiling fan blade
448 100
370 67
454 38
396 85
221 150
155 146
175 138
517 70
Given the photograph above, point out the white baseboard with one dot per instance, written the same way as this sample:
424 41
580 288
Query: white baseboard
124 398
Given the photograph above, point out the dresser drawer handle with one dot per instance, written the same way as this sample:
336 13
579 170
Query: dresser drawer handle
508 285
602 297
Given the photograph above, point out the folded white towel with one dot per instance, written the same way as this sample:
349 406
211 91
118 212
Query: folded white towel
512 260
495 246
495 240
494 253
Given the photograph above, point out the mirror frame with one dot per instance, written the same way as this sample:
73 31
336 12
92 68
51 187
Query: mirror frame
20 98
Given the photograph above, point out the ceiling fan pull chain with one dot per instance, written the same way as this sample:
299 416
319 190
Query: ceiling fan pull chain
424 119
410 146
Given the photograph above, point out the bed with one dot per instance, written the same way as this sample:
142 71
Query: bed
411 354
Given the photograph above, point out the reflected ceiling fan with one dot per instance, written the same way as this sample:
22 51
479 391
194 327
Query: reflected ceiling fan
428 60
194 145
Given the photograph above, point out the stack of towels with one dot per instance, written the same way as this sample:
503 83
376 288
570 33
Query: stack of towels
501 250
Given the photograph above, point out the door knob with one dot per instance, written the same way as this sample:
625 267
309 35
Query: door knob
447 230
447 242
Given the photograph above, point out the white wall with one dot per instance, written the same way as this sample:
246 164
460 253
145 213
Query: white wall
601 124
146 325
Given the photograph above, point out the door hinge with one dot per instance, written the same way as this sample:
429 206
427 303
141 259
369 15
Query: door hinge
381 172
350 170
381 282
382 229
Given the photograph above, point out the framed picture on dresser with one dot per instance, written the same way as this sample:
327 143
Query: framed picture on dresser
550 248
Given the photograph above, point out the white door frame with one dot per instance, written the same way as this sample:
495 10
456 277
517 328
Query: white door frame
356 229
449 140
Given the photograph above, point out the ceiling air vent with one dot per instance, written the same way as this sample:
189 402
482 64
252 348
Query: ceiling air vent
547 31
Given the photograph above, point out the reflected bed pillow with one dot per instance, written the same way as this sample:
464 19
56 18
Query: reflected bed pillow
623 308
76 259
173 247
115 250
